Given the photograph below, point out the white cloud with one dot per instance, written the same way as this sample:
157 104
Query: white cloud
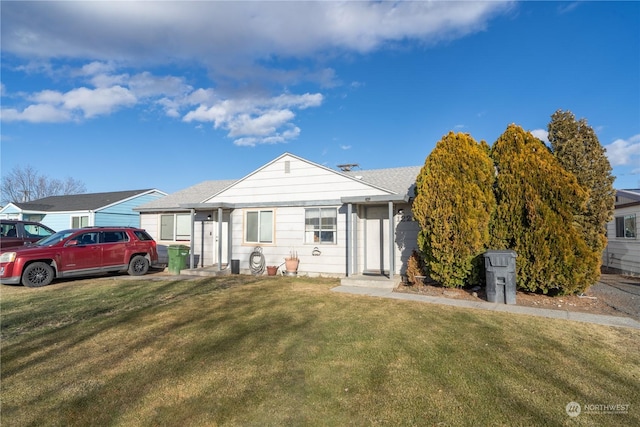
541 134
226 35
624 151
37 113
239 44
254 121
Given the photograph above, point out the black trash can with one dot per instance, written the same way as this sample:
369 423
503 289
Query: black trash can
500 271
235 266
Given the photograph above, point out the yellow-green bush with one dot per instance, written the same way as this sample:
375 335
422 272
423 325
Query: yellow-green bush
454 202
536 202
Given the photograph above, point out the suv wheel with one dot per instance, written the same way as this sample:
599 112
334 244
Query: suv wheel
37 274
138 266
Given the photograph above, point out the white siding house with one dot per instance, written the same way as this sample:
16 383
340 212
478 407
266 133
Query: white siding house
623 248
339 223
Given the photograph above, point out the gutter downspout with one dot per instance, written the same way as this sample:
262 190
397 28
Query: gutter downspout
191 243
220 239
349 239
392 239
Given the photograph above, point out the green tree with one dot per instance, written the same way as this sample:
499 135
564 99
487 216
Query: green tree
536 201
454 202
576 146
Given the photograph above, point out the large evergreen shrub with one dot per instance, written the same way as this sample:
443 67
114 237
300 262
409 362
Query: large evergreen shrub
454 202
536 202
578 149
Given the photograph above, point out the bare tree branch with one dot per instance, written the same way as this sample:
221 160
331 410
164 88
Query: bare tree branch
24 184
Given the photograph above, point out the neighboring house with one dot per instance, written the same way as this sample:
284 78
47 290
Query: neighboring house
622 253
339 223
82 210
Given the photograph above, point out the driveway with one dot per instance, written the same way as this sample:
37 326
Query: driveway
622 293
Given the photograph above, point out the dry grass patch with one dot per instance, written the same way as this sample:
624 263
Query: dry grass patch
286 351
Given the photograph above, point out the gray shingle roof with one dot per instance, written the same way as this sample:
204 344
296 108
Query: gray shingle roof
195 194
397 180
78 202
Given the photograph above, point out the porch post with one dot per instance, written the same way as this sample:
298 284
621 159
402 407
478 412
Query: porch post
349 235
219 239
192 243
230 238
392 238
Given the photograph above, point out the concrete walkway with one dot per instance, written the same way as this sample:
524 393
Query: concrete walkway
599 319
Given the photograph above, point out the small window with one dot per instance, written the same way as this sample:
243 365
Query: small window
258 227
142 235
79 221
320 225
626 227
9 230
175 227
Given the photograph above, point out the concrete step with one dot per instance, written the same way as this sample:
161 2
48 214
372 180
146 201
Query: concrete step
381 282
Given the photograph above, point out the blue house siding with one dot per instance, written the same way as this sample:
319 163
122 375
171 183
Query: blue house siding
58 221
122 214
103 209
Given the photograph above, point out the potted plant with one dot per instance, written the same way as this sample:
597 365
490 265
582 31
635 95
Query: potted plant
291 262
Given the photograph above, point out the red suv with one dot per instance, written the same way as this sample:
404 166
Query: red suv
79 252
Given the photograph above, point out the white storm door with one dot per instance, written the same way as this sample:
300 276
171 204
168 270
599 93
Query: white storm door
377 239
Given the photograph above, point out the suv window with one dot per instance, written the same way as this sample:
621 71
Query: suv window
115 237
88 238
142 235
9 230
34 230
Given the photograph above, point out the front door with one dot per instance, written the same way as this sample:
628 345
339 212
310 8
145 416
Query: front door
377 240
216 239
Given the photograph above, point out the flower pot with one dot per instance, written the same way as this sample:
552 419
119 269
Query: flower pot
272 270
291 264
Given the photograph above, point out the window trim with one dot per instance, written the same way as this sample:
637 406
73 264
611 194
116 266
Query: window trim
80 216
245 226
175 237
319 229
621 229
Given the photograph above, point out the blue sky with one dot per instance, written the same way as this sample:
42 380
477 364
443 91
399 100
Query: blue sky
126 95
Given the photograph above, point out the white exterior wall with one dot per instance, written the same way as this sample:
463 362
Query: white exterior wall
288 236
623 253
302 182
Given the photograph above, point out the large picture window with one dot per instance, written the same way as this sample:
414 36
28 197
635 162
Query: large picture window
175 227
626 227
258 227
320 225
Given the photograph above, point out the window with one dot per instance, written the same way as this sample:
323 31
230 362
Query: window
175 227
258 227
35 230
90 238
79 221
115 237
142 235
626 226
320 225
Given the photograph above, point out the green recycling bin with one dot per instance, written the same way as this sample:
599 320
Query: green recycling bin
177 258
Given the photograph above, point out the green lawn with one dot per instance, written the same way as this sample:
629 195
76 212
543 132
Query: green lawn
276 351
